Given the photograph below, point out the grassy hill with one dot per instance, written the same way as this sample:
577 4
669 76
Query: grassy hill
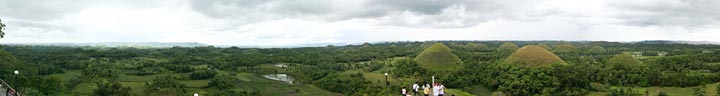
507 46
565 48
596 49
438 57
532 56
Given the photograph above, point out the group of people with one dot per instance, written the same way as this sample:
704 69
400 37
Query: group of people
437 90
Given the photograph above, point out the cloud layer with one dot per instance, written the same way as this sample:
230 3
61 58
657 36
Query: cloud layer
292 22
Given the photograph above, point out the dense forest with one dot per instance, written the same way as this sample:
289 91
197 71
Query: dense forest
471 68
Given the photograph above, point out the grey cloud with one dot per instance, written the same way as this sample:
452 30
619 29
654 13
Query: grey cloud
684 13
38 9
433 12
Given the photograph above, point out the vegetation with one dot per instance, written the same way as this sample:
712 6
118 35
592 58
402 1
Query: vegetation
438 57
593 68
2 28
545 46
477 47
596 50
533 56
564 48
507 47
111 89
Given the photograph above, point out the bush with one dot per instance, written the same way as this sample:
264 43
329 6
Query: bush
342 83
203 74
224 82
111 89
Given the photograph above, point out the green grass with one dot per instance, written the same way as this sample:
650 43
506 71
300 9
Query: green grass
711 89
450 92
84 88
384 69
251 82
375 77
597 94
269 87
672 91
480 90
135 78
136 87
195 83
67 75
244 76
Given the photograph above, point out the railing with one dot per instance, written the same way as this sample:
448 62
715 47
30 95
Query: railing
6 85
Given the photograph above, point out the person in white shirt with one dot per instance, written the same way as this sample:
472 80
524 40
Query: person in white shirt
416 88
436 89
404 92
441 90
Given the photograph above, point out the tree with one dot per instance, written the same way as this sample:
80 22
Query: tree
2 27
224 82
165 85
111 89
203 74
166 81
346 84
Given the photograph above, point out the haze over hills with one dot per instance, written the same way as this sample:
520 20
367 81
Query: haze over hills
676 42
120 44
197 44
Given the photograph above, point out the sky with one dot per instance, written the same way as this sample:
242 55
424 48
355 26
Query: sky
293 22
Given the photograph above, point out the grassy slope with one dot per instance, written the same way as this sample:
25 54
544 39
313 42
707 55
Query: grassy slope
67 76
251 82
507 46
533 55
438 57
480 90
672 91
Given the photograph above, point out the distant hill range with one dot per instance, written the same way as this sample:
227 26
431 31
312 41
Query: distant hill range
120 44
676 42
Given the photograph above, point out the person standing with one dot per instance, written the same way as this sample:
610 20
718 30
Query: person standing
441 90
404 92
416 88
426 90
435 89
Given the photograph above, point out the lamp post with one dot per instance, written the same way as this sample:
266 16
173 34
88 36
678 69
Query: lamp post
386 85
17 87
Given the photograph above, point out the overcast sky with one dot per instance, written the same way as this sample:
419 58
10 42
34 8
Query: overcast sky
289 22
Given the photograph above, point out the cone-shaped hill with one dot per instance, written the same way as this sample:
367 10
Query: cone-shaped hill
507 46
596 49
533 55
438 57
565 48
7 59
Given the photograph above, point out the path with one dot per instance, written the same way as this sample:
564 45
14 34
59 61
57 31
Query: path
2 91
